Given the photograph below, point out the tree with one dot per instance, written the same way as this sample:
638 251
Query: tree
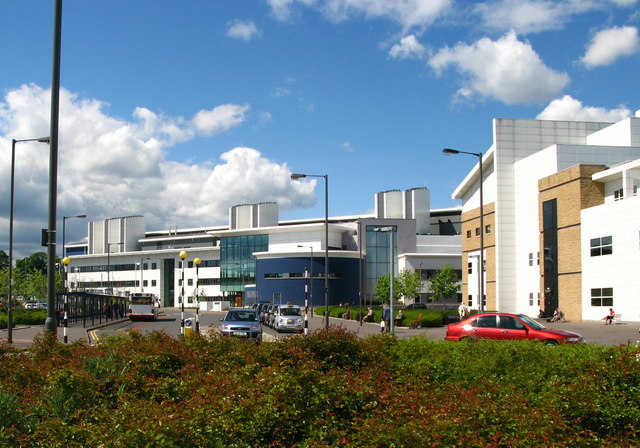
409 283
36 261
382 289
4 260
445 283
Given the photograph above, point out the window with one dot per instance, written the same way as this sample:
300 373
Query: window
618 194
530 299
190 264
487 228
511 323
635 190
477 231
486 322
469 268
601 246
145 283
601 296
469 300
468 233
154 266
530 258
538 258
153 282
190 282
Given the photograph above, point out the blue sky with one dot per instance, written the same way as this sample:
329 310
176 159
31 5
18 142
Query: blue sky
179 109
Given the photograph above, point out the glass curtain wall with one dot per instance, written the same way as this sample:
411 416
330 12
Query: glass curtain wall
237 263
377 259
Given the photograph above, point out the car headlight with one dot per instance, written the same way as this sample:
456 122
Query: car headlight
574 339
255 327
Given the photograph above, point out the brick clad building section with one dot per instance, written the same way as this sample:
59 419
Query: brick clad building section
573 190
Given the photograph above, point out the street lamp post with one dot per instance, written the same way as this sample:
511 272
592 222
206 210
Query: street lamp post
390 230
13 164
481 263
310 277
297 176
183 255
64 229
197 262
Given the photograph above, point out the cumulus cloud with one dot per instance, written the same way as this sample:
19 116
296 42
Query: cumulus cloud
243 30
407 13
568 108
505 69
611 44
407 48
111 166
532 16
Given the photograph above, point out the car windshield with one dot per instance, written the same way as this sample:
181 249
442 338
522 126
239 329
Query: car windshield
290 311
532 323
241 316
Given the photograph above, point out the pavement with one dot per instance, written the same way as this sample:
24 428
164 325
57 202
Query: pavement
594 332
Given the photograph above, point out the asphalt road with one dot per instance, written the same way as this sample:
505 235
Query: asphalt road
169 321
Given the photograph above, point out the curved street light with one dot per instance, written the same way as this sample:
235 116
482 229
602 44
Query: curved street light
297 176
481 261
13 164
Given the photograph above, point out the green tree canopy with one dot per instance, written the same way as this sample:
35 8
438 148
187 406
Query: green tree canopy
445 283
409 283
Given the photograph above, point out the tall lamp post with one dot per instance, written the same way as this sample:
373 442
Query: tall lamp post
50 325
481 262
390 230
197 262
297 176
310 276
183 255
64 230
13 169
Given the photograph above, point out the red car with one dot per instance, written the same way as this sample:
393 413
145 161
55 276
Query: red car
504 327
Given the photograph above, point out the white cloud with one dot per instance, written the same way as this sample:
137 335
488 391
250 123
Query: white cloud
532 16
220 118
609 45
568 108
347 146
505 69
407 48
113 167
243 30
407 13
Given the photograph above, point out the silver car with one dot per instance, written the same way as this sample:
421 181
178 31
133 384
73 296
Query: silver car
288 318
242 323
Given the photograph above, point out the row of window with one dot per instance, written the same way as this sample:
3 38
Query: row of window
619 193
487 229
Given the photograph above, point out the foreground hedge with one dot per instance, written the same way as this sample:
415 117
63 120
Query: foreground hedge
324 390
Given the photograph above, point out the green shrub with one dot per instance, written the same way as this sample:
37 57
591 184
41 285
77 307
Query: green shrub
327 389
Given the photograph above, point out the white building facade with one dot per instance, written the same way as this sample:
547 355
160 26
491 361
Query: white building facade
535 167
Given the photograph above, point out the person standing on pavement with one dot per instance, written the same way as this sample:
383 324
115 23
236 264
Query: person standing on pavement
386 317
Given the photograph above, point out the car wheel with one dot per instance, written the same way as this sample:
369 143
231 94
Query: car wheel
550 342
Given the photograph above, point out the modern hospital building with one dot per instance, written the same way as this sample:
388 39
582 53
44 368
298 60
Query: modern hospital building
561 229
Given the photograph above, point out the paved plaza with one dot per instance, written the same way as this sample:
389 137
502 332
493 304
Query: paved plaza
594 332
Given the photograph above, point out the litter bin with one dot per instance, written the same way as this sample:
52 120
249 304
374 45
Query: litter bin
188 327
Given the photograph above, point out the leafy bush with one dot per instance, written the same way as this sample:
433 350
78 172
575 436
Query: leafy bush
323 390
